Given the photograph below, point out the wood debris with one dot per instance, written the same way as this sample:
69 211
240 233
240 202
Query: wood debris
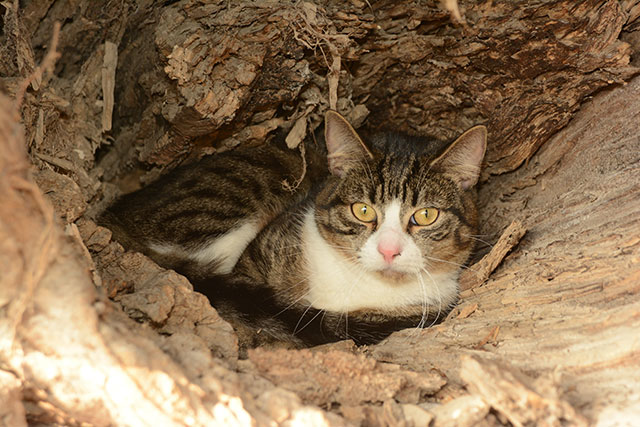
512 394
108 83
479 272
490 337
317 377
467 310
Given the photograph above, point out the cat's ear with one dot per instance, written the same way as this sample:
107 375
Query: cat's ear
344 145
462 160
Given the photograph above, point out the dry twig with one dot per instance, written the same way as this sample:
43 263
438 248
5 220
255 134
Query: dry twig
479 272
47 64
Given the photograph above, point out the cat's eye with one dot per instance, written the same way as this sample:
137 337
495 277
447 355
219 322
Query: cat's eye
426 216
364 212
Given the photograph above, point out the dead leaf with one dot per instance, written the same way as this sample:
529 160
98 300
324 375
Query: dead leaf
297 132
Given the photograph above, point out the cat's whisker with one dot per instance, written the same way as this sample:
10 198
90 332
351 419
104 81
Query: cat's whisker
346 324
302 245
478 239
362 271
324 313
425 306
284 292
450 262
295 246
296 330
348 248
309 307
438 295
359 270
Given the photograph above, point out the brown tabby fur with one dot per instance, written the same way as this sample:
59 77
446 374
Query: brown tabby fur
264 295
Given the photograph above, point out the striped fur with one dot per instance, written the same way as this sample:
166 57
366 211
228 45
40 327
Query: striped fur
313 272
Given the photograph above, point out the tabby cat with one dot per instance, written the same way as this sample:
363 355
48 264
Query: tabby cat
370 241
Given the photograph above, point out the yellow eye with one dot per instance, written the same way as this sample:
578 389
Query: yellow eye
425 216
364 212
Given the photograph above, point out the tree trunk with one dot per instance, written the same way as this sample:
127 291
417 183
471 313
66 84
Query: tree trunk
94 334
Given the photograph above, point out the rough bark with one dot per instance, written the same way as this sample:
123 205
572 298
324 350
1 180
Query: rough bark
194 76
564 305
92 334
69 356
523 69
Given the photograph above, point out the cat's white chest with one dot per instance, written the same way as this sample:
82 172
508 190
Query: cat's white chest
336 284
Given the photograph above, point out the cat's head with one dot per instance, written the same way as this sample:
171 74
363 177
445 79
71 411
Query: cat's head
394 207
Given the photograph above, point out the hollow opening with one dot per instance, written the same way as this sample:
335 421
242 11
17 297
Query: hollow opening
546 326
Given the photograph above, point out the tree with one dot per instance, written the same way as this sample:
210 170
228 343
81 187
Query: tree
141 86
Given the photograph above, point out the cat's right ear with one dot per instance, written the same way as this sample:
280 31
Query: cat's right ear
344 145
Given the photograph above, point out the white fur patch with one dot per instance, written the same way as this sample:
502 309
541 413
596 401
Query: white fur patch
225 249
410 259
337 284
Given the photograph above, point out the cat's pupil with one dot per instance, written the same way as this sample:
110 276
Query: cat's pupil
363 212
424 217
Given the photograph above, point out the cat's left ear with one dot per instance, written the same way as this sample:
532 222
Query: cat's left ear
344 146
462 160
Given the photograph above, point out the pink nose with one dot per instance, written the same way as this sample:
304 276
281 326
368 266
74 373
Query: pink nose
389 250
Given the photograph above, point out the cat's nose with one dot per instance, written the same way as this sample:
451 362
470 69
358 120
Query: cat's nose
389 250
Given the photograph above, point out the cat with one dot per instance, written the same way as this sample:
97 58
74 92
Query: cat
370 241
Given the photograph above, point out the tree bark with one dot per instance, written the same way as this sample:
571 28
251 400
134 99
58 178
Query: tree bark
93 334
564 304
